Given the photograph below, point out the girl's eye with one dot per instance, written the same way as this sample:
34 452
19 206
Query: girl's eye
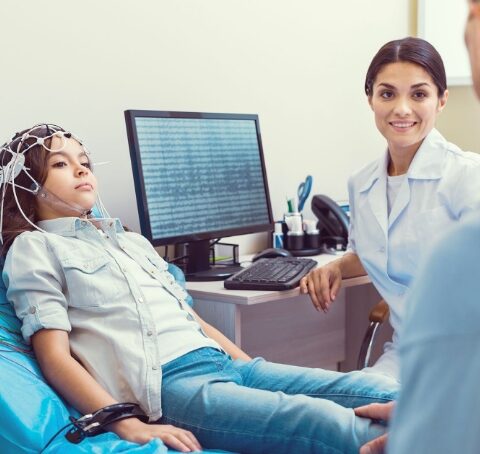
87 165
387 94
59 164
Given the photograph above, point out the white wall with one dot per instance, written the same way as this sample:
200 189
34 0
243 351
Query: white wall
299 64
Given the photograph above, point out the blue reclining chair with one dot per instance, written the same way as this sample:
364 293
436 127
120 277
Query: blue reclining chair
31 412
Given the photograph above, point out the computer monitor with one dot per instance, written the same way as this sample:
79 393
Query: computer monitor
198 177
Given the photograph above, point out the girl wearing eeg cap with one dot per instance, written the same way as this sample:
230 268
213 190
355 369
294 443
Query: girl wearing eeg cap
109 323
23 176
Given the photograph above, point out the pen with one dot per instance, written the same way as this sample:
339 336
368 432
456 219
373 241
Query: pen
290 205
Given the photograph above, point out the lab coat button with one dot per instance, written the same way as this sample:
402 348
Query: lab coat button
154 367
149 333
140 300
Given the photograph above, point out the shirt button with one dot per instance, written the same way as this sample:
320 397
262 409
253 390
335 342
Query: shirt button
140 300
149 333
84 223
33 310
154 367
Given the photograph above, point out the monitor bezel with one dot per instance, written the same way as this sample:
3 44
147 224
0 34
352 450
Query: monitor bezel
140 193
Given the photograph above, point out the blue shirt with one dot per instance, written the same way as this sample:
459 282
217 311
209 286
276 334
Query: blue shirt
438 408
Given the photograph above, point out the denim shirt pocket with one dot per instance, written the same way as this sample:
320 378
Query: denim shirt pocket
89 280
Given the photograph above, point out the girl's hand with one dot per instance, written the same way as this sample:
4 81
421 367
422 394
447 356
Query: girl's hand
134 430
322 284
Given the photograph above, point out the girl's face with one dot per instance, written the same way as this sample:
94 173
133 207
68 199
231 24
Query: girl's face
406 104
70 179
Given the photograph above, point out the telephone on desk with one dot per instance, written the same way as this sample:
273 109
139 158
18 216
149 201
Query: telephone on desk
332 223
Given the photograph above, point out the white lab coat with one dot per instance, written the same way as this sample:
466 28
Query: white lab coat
442 184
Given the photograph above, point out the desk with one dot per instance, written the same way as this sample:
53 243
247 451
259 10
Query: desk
279 326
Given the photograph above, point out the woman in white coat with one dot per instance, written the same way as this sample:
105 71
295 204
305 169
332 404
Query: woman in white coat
401 201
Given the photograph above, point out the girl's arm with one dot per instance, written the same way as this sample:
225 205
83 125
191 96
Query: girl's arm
224 342
78 387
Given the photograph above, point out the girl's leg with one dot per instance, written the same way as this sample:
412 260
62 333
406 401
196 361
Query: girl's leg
228 405
351 390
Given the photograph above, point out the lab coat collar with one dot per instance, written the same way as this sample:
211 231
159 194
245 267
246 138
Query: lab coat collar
427 164
377 194
378 171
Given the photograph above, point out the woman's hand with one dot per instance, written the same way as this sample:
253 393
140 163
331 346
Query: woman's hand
134 430
322 284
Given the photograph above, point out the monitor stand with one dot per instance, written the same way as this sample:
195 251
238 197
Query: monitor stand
199 267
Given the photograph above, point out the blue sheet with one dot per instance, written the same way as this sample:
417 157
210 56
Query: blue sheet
31 412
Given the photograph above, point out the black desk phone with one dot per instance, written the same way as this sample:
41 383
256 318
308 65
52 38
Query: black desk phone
332 222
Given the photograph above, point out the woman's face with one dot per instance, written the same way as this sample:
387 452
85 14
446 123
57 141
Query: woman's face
406 104
70 179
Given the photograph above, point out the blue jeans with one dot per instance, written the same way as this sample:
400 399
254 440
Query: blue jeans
258 406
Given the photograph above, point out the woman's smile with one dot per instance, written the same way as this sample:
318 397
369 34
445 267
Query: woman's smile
402 126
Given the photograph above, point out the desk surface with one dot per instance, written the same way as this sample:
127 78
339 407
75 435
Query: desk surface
214 290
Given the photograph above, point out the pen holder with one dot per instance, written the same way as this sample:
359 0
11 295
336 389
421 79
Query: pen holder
312 239
295 240
294 222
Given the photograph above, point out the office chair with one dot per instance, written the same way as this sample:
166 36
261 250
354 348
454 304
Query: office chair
378 314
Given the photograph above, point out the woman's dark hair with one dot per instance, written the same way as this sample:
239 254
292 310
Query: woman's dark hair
411 50
36 160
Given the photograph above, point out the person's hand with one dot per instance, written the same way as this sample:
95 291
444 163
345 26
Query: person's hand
134 430
380 412
322 284
375 446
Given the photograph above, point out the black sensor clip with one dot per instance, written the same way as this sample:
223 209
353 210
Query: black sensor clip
94 423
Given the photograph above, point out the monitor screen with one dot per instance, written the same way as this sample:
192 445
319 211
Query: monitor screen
198 176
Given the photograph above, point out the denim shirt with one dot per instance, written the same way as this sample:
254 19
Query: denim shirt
64 279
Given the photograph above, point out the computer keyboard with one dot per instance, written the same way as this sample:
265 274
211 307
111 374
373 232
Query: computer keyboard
279 273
